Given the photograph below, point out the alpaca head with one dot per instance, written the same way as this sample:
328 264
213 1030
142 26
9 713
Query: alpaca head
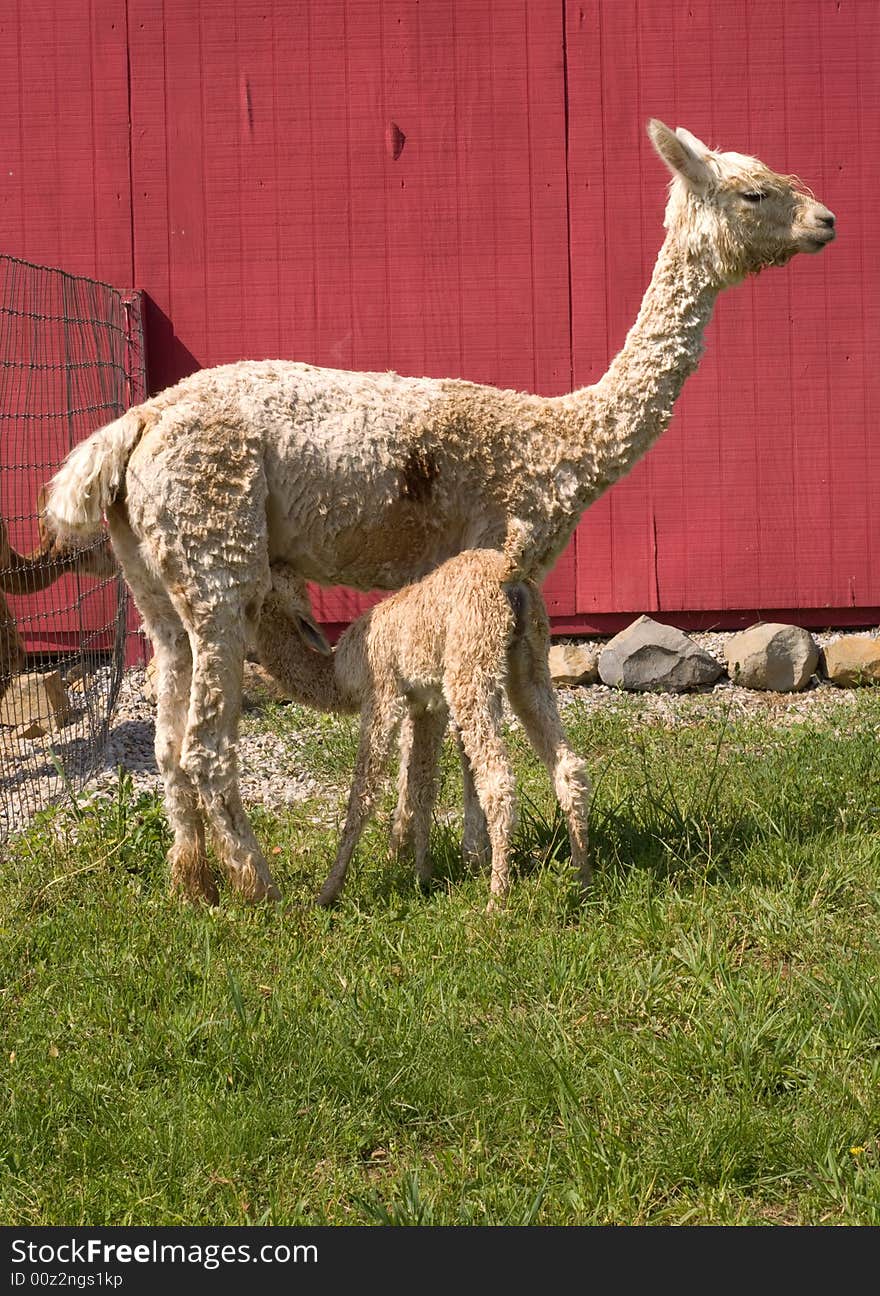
288 603
732 213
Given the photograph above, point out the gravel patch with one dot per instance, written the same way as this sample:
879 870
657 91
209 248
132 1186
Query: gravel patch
268 764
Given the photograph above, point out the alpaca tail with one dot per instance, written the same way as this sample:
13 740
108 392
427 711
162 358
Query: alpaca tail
519 598
89 479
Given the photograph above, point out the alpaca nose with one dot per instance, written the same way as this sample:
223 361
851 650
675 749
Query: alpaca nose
825 217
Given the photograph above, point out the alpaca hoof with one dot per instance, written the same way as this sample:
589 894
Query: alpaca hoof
192 879
326 899
497 904
253 888
475 856
476 849
265 891
206 894
585 879
401 845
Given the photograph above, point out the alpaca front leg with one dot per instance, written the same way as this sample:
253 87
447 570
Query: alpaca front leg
496 791
374 746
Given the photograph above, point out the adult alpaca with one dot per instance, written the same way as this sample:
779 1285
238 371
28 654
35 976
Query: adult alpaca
371 480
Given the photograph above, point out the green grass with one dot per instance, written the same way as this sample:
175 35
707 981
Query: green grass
698 1043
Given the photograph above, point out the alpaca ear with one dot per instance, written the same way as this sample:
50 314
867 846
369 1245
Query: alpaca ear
683 154
695 145
311 635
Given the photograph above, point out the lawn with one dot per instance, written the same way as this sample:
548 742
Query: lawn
697 1043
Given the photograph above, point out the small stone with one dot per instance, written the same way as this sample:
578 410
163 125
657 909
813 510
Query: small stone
84 669
573 663
852 661
35 698
33 729
773 657
651 657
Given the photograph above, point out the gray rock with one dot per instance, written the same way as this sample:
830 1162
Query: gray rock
573 663
852 661
772 656
650 657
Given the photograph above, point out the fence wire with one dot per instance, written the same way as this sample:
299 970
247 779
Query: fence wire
71 359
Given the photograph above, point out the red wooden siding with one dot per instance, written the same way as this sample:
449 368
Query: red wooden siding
465 187
758 496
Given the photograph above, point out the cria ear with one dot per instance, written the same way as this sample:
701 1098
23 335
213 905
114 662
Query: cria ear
683 154
311 635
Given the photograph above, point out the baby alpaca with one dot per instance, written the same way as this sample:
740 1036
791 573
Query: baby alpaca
449 644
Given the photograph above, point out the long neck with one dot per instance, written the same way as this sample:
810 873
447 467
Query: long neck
614 422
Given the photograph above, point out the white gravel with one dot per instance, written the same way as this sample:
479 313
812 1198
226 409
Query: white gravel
268 763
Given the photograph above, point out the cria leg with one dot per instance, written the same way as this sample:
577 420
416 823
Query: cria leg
378 723
532 697
191 872
421 735
475 847
479 720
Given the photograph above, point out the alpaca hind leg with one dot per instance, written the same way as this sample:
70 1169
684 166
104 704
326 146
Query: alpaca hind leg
421 735
479 720
475 846
209 756
191 872
533 699
374 747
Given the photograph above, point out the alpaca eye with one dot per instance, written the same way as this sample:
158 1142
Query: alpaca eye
754 197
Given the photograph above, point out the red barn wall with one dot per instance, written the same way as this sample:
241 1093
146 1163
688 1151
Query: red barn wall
464 187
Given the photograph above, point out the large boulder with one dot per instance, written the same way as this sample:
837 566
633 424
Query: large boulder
648 656
853 660
771 656
573 663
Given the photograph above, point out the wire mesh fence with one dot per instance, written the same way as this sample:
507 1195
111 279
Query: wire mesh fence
71 359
